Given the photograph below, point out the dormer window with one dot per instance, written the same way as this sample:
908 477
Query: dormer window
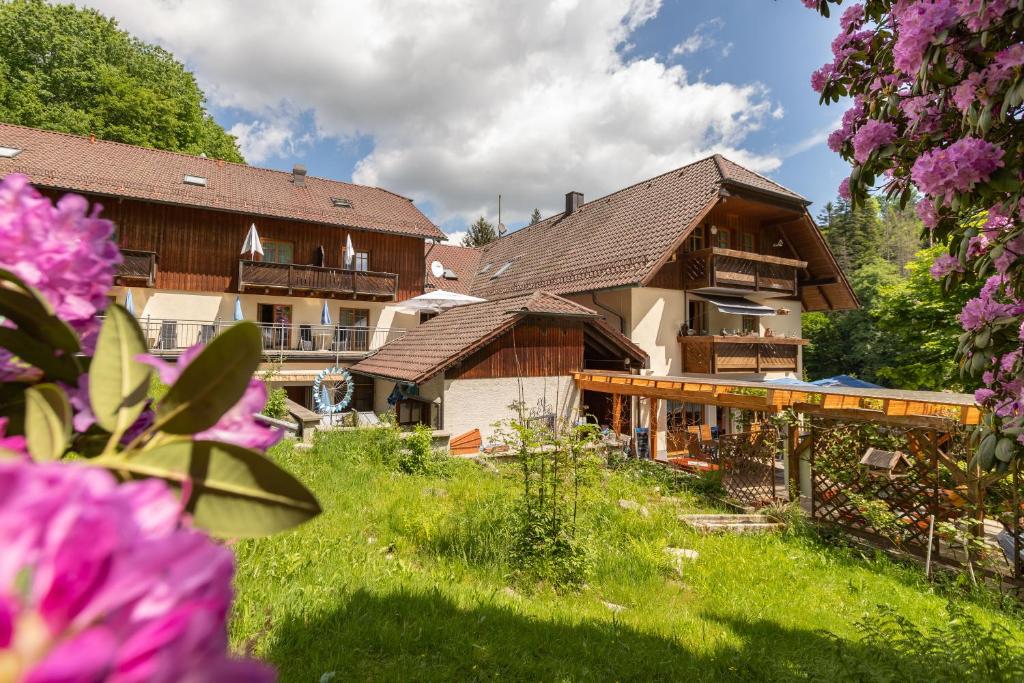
9 152
341 203
197 180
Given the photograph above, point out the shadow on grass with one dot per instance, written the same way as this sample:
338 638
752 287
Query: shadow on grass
406 636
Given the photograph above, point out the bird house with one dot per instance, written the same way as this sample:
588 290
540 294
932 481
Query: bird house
891 464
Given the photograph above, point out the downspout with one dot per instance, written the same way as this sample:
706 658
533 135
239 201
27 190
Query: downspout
622 321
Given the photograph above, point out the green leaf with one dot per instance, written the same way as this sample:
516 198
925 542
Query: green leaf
28 349
117 382
47 421
212 383
1005 448
235 492
29 311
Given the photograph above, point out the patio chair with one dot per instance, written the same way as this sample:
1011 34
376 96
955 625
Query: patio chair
305 338
168 339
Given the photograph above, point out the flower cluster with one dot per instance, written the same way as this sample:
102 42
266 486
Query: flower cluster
918 24
957 168
61 249
100 581
871 136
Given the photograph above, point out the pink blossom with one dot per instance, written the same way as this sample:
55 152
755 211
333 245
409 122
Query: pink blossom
12 444
844 189
1012 251
853 17
64 251
820 77
116 588
237 426
918 23
996 221
872 135
926 212
957 168
976 246
982 396
810 4
921 114
1008 360
944 265
980 14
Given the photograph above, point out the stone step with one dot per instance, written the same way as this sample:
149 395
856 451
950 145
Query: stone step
735 524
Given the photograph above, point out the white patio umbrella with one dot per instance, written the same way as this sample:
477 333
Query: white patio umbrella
238 309
350 253
437 301
252 243
129 302
325 315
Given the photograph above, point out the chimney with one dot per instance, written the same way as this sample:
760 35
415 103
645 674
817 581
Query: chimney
299 175
573 201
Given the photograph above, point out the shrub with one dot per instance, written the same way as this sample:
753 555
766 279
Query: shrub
417 455
276 406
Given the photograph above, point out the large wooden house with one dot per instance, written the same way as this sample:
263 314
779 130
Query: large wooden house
181 224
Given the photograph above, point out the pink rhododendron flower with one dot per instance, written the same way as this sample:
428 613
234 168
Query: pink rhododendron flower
944 265
100 581
918 24
872 135
926 212
980 14
236 426
1012 250
853 17
957 168
13 444
62 250
844 189
820 77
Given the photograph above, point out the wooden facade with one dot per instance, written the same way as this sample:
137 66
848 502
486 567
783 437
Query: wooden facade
198 249
535 347
715 353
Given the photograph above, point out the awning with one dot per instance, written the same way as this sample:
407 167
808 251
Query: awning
181 307
736 305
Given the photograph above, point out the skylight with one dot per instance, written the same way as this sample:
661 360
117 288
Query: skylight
501 270
487 266
449 274
341 203
9 152
197 180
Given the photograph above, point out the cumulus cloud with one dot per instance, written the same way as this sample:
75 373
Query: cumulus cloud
462 99
702 38
260 140
455 237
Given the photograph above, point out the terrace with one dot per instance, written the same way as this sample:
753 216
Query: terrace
315 280
728 268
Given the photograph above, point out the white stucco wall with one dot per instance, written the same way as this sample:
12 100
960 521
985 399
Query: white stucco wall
479 403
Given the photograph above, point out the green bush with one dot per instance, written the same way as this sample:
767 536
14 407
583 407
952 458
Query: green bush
276 406
417 455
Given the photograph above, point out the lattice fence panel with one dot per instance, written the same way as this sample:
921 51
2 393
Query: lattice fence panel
747 465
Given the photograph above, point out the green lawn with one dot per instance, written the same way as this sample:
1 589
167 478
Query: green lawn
406 577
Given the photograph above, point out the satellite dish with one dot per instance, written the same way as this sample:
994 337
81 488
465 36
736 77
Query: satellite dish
436 269
502 228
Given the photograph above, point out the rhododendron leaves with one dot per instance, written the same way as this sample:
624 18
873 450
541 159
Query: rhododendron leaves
234 492
28 349
27 310
212 383
47 421
118 383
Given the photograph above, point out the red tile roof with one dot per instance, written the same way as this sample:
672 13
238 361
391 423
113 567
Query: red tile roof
439 343
71 162
462 261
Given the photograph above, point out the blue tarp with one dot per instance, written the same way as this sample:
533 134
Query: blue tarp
845 381
789 382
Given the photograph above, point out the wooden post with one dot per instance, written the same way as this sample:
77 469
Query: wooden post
653 422
793 462
617 414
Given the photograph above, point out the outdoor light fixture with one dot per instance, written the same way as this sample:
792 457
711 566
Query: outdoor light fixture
714 229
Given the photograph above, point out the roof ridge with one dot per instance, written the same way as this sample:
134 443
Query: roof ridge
186 155
759 175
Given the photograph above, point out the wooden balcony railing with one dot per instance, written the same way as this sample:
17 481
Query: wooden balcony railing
137 266
313 279
712 354
715 267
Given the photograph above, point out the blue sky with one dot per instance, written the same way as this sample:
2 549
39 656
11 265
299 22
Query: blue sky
452 102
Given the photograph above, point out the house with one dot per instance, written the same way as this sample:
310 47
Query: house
706 268
458 266
181 223
464 369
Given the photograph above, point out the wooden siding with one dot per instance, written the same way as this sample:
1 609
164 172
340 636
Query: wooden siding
536 347
198 249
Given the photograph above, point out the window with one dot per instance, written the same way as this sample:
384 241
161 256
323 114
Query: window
750 324
487 266
361 261
698 316
696 242
501 270
278 251
9 152
197 180
276 325
681 415
450 274
362 393
722 239
412 411
352 332
750 242
354 317
341 203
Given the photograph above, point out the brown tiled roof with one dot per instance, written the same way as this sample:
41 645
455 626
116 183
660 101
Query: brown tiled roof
437 344
71 162
622 239
463 261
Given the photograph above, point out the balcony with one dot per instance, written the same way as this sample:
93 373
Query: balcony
728 268
313 280
708 354
137 267
294 341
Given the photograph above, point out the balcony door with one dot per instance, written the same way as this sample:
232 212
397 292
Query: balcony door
278 251
276 323
353 332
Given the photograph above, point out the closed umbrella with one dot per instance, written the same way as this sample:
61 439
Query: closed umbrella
325 315
238 309
252 243
350 253
129 302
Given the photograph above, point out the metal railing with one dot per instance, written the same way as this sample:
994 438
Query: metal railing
299 278
171 337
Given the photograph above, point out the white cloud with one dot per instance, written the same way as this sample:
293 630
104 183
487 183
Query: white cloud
702 38
260 140
462 99
455 237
